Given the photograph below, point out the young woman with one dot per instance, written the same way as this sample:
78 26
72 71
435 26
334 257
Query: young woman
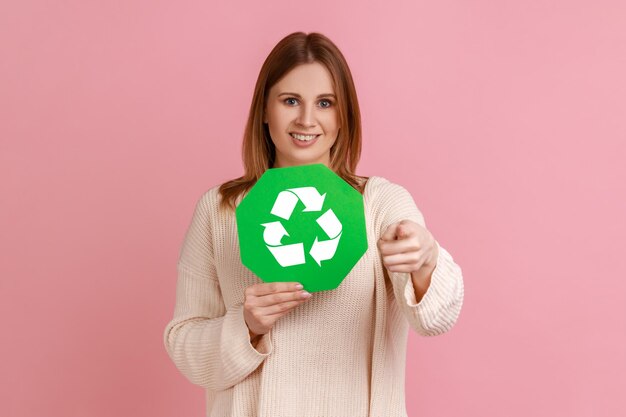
271 349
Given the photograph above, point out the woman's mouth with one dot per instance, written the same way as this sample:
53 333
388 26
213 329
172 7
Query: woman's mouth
303 140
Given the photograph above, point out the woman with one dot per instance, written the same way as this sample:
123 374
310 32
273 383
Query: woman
271 349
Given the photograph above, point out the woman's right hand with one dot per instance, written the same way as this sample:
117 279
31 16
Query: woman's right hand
265 303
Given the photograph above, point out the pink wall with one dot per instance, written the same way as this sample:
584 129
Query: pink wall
505 120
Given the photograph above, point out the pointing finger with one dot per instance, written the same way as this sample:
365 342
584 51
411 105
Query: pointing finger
390 232
402 230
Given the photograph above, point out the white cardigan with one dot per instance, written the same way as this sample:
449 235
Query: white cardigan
340 353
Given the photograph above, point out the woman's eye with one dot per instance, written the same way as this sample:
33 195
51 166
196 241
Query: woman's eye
292 100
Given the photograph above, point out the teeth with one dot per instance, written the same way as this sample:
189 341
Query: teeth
305 138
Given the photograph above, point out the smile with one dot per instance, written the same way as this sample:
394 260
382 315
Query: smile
304 138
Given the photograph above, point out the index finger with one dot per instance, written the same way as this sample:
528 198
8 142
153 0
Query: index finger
390 232
274 287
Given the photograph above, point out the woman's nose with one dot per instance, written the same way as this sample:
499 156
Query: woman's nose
306 116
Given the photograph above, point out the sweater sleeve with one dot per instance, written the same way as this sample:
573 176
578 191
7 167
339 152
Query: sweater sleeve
439 308
208 343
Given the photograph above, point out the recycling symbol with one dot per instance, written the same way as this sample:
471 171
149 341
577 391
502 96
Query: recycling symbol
293 254
304 224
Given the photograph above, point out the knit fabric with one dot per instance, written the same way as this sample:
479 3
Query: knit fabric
342 353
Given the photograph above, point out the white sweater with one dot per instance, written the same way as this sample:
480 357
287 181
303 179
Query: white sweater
342 353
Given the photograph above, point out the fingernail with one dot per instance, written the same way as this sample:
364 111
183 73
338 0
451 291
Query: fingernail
299 286
305 294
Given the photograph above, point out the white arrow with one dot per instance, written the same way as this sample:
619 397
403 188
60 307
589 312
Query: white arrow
323 250
311 198
284 204
286 201
273 233
288 255
330 223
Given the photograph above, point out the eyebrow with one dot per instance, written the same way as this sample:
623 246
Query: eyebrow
299 96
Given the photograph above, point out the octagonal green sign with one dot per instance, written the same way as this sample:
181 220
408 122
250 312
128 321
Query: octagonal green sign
304 224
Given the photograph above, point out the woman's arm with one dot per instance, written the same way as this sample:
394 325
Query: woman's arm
421 280
430 299
208 343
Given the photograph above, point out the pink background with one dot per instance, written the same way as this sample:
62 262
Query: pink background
504 119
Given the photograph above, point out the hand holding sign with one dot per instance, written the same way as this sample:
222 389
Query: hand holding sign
265 303
406 246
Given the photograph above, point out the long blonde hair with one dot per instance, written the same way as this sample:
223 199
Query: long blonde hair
258 150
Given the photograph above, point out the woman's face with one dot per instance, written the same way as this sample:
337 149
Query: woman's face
303 102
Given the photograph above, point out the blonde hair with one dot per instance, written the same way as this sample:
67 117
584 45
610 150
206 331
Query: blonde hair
258 150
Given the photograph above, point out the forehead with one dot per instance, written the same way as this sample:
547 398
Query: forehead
307 80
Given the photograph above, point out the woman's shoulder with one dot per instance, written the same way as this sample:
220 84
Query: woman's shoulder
378 185
208 199
374 186
210 194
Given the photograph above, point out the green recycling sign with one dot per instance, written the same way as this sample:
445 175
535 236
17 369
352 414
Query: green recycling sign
304 224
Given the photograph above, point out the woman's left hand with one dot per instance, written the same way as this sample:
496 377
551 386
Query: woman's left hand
406 246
